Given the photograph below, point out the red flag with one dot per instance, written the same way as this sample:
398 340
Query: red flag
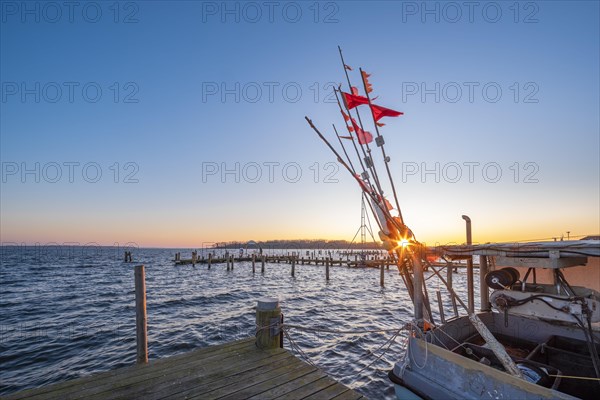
355 90
353 101
350 129
388 204
349 68
366 79
364 137
380 112
347 137
380 124
346 118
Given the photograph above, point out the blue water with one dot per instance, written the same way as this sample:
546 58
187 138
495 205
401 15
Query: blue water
69 312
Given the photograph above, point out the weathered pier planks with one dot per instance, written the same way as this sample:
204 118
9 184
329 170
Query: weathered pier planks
237 370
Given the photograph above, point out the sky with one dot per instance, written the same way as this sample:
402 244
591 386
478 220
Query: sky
181 123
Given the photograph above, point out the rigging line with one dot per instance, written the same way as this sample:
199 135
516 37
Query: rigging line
344 149
371 167
383 208
340 332
369 219
391 341
385 157
359 120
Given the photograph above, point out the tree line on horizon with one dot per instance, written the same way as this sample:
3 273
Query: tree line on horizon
298 244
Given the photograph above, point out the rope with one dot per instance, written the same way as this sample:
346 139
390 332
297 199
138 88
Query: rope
426 348
339 332
575 377
285 328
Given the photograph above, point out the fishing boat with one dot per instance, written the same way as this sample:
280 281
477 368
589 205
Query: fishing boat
548 327
535 336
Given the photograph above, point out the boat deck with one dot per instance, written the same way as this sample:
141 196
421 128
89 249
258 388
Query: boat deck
236 370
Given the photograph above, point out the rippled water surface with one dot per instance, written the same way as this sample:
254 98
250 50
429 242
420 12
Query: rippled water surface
67 313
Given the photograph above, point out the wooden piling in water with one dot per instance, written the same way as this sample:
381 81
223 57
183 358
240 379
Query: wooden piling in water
440 306
232 259
293 265
141 324
253 263
326 269
381 276
209 260
262 266
268 317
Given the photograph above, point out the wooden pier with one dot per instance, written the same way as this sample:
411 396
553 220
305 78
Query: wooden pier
370 262
237 370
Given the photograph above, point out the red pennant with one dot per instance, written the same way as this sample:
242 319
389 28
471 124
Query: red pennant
366 80
355 90
353 100
380 112
364 137
346 118
380 124
349 68
347 137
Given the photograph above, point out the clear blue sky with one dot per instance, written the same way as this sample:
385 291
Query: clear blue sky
158 116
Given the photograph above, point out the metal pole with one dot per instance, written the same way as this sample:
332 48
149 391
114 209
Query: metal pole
380 143
470 279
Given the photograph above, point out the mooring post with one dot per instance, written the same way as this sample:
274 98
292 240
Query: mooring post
327 269
209 260
140 315
262 265
381 276
470 283
293 265
194 258
253 263
268 317
232 262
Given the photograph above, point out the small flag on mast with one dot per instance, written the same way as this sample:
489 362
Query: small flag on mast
349 68
380 112
353 100
367 83
364 137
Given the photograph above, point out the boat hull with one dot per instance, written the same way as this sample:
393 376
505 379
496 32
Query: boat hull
433 372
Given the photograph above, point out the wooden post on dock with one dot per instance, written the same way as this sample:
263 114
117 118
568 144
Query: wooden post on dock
268 317
327 269
381 276
293 265
141 325
253 263
209 260
262 266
